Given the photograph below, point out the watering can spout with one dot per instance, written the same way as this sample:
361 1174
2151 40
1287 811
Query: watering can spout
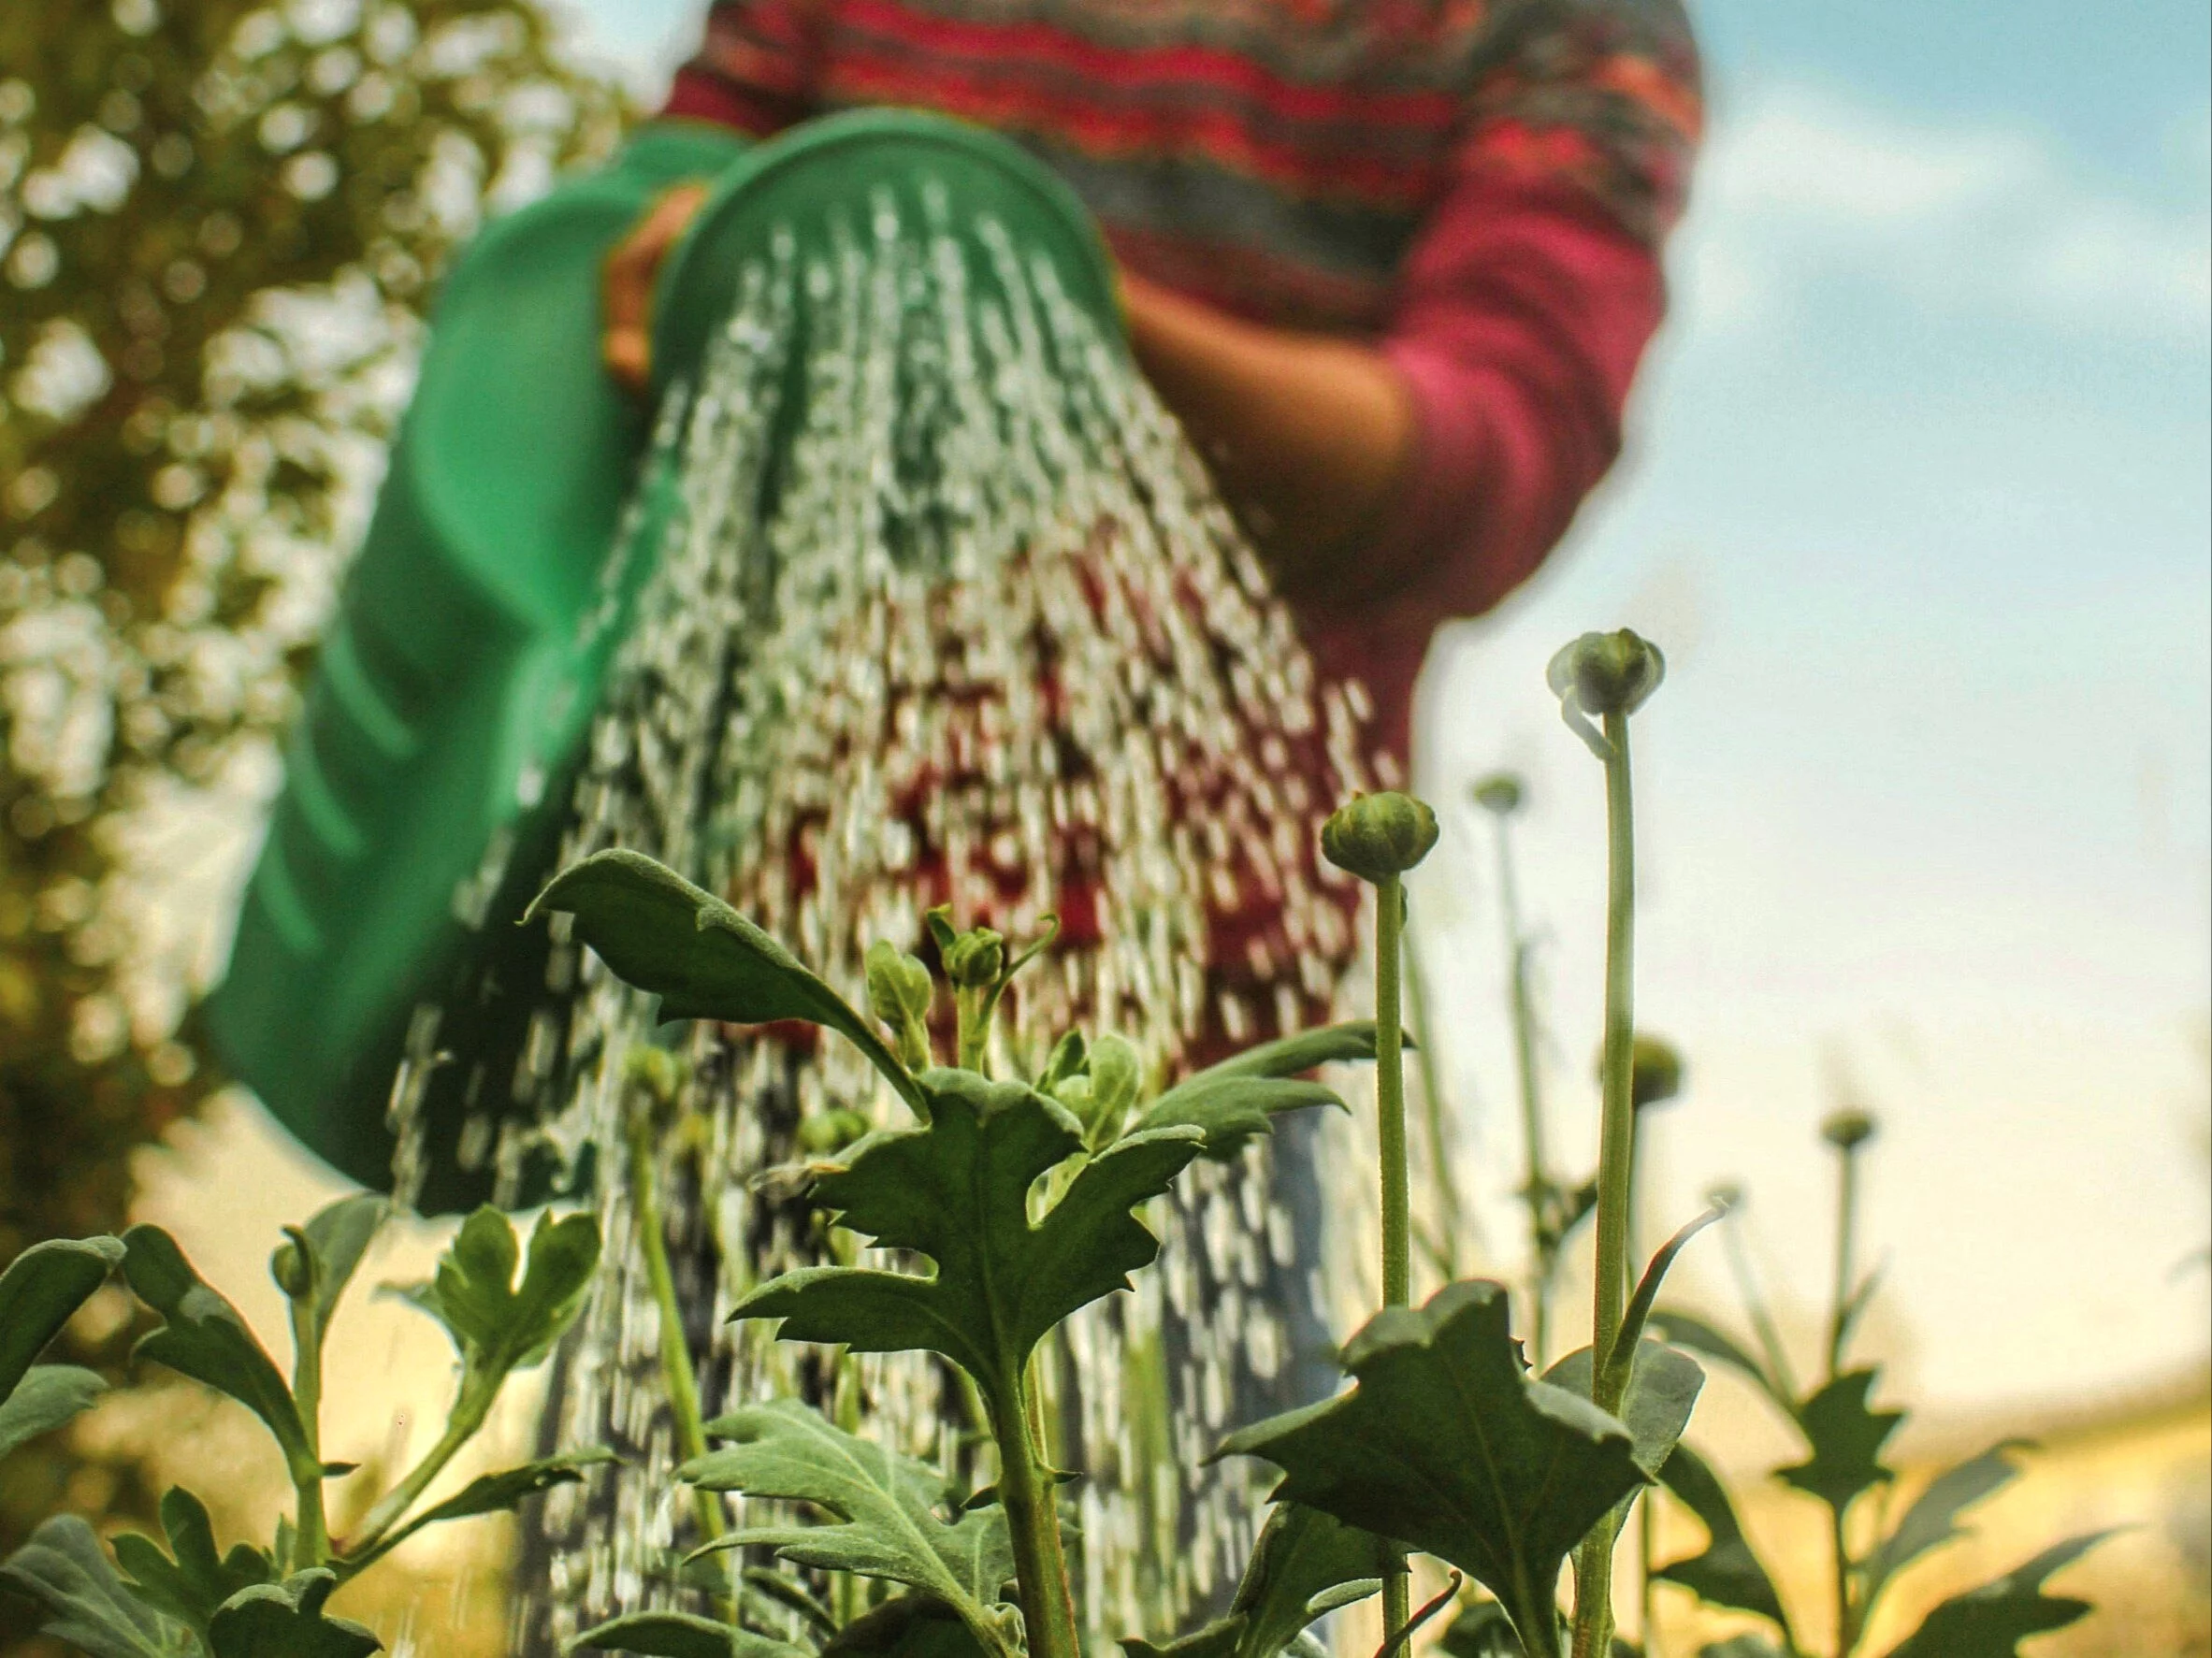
427 779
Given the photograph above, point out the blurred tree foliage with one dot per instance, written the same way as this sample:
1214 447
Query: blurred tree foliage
219 227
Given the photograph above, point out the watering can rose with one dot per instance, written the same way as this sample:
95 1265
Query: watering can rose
1378 837
1606 673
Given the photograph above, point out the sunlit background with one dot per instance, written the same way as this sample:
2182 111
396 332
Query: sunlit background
1918 500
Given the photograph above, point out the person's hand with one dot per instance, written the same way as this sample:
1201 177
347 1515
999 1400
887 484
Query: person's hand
627 280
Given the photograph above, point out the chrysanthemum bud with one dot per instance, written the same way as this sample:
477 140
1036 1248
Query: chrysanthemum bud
1376 837
1499 793
1655 1071
1604 673
1848 1129
975 959
293 1269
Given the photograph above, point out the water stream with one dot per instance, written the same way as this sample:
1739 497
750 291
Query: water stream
943 609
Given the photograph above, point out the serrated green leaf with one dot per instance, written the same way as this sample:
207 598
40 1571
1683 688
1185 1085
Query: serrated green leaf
490 1493
957 1191
1448 1445
81 1600
888 1513
1293 1055
659 932
1991 1621
1846 1439
1684 1331
191 1580
1305 1566
286 1621
911 1626
203 1336
1655 1408
1232 1110
678 1634
46 1396
1931 1520
39 1292
497 1324
1729 1572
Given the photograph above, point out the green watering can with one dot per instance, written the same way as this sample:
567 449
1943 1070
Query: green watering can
427 783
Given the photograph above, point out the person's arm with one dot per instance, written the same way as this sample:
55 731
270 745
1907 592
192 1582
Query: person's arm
1306 435
1444 460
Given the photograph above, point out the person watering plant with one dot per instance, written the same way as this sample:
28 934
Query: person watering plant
1392 262
960 626
1391 265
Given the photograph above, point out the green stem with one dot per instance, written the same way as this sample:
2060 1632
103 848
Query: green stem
469 1413
311 1542
1762 1316
1449 1208
676 1372
972 1019
1397 1202
1536 1190
1848 1610
1846 1247
1616 1169
1647 1515
1033 1522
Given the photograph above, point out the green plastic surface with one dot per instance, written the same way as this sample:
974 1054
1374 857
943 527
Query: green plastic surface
426 781
452 679
832 176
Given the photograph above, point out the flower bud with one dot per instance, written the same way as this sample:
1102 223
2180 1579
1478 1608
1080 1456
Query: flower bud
1603 673
1655 1071
1499 793
1378 837
1849 1129
293 1268
976 959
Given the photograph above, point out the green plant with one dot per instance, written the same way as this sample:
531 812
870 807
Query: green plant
1009 1204
186 1599
1845 1437
1021 1196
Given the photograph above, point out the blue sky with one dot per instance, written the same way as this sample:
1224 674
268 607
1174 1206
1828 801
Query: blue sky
1918 501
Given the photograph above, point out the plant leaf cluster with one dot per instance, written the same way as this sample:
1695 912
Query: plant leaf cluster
1844 1436
181 1596
1019 1199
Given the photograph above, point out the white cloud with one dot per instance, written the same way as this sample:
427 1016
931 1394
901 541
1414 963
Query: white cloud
1801 186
